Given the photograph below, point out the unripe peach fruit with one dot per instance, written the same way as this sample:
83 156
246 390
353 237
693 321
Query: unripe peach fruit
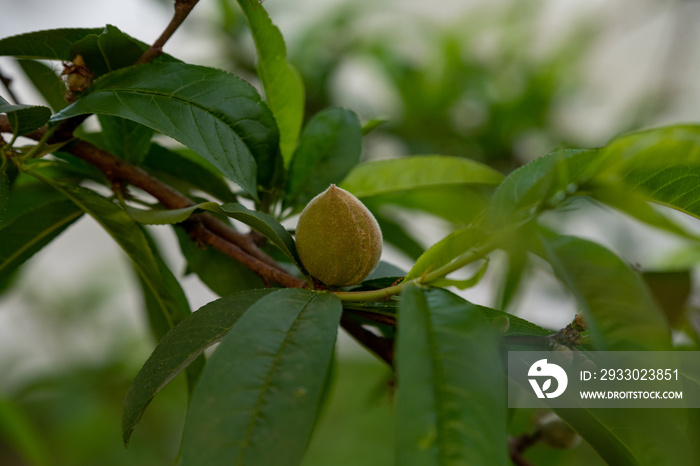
338 239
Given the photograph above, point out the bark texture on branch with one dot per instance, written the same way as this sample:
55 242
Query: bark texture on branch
205 229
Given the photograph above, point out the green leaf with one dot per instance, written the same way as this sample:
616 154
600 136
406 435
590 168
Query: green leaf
25 118
27 193
56 44
371 125
618 438
107 51
28 232
395 234
157 321
263 223
449 187
446 250
125 138
214 113
179 347
662 165
516 325
53 44
329 148
451 395
257 399
459 204
384 270
671 291
284 89
517 267
215 269
186 169
132 239
463 284
46 81
410 173
637 206
543 183
160 216
618 309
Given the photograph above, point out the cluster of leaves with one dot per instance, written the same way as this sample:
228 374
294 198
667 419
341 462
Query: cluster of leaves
255 400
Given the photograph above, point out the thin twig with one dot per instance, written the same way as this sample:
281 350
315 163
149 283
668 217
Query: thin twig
382 347
182 10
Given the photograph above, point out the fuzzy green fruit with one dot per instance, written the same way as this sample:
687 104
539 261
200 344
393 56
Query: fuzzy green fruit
338 240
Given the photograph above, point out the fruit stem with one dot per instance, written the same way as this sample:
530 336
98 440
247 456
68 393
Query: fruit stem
385 293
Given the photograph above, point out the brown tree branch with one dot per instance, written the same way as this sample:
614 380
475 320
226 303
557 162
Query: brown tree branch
182 10
230 241
382 347
201 233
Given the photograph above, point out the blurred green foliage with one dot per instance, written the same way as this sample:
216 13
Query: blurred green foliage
475 87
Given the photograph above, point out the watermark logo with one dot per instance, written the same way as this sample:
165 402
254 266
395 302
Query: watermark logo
542 369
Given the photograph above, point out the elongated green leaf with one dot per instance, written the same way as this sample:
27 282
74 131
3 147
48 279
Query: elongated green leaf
663 165
459 204
186 169
517 266
449 187
53 44
135 244
542 183
25 118
157 322
160 216
665 439
179 347
125 138
411 173
256 401
671 290
284 89
57 44
107 51
463 284
446 250
394 233
371 125
447 414
329 148
636 205
619 311
263 223
516 325
216 270
27 193
26 233
46 81
214 113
